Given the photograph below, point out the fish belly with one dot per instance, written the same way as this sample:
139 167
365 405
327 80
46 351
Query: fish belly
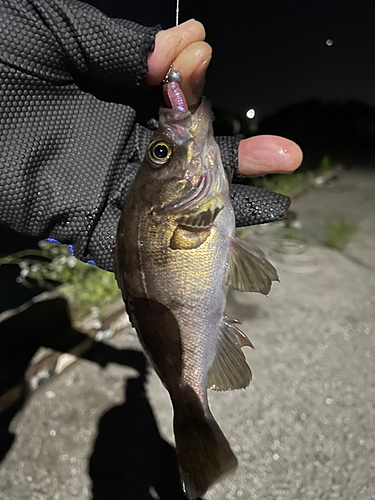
190 284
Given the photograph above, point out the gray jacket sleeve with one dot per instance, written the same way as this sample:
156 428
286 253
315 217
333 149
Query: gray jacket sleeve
73 121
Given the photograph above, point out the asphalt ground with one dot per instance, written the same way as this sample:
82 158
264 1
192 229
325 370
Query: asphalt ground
304 429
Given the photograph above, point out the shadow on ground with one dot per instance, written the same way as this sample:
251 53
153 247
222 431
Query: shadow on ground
44 324
130 459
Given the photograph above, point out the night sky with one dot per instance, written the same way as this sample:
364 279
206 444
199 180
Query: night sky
268 54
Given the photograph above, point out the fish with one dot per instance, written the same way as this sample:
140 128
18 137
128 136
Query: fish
176 255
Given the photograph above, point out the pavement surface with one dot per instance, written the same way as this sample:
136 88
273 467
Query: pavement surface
304 429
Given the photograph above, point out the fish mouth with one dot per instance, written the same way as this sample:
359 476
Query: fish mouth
189 199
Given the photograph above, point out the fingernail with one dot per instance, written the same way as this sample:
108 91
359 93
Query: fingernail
197 78
266 154
192 20
184 24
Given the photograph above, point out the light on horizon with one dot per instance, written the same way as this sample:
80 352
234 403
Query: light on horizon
251 114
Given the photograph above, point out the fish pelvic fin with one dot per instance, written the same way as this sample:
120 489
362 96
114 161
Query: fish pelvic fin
229 369
203 451
248 269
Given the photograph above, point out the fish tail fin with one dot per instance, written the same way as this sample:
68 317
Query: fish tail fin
203 451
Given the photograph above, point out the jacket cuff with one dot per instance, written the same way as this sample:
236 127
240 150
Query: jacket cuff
229 154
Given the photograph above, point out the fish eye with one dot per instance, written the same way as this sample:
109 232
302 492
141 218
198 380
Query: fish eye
159 152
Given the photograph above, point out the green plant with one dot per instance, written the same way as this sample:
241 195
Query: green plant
283 183
324 166
288 184
338 232
84 285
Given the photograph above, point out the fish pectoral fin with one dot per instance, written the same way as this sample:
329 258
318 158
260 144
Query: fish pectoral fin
248 269
185 238
193 230
229 369
203 219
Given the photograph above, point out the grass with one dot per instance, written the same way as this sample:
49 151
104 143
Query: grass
286 184
351 319
283 183
324 166
85 286
338 232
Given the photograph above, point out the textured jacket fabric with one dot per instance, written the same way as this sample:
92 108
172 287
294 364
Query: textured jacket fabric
75 121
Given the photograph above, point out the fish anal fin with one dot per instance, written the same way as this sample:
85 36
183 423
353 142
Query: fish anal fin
229 369
242 338
248 269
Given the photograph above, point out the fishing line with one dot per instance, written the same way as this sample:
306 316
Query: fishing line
177 11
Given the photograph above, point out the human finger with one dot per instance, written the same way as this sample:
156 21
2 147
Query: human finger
168 45
268 154
192 63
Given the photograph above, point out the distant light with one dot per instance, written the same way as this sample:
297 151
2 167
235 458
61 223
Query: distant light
329 42
251 114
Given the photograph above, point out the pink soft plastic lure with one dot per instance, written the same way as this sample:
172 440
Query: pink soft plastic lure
176 97
200 190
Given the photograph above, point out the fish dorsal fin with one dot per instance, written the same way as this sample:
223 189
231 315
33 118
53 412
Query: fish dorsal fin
248 269
229 369
229 172
203 219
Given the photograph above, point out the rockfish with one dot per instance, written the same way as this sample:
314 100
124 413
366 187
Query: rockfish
176 254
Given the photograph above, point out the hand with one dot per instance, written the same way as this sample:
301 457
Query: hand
184 46
74 193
